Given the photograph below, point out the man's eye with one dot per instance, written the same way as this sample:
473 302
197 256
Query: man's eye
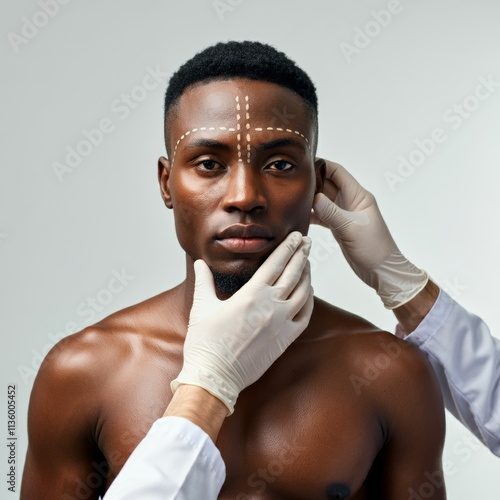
208 165
280 165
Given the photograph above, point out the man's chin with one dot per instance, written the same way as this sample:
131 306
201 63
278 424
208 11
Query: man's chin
228 284
231 275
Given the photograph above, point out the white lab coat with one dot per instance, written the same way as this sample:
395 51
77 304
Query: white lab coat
177 460
466 359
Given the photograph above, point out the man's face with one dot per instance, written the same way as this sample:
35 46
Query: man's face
241 175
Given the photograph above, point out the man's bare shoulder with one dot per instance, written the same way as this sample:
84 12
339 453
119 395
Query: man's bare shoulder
388 377
120 337
328 321
343 330
373 357
157 315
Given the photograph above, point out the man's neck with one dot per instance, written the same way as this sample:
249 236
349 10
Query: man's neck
187 289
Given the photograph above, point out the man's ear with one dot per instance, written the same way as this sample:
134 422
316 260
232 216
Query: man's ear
320 170
164 169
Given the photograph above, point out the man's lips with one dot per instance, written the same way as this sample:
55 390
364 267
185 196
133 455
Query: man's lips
245 238
245 231
244 245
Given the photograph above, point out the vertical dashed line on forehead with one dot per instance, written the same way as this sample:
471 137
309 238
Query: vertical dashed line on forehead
247 126
238 126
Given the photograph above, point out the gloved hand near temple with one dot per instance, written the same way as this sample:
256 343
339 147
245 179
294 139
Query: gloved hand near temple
352 214
231 343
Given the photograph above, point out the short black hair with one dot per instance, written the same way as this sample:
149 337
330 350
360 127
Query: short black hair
246 59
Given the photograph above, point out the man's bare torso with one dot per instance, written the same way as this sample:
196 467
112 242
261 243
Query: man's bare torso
346 406
305 425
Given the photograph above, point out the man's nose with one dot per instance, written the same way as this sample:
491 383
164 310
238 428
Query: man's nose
245 190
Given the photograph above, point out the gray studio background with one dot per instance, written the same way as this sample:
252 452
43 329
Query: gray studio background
64 236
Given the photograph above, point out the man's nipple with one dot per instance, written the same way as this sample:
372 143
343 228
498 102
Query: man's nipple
337 491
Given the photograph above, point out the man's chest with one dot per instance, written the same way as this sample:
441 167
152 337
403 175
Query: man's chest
290 437
297 443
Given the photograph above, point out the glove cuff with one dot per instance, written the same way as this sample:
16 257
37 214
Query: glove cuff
397 281
212 384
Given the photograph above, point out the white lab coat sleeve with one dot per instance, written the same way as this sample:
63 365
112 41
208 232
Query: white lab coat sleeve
175 460
466 359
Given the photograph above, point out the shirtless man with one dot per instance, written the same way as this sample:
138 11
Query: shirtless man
347 411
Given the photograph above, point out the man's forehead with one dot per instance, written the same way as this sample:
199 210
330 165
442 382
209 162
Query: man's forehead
246 108
217 98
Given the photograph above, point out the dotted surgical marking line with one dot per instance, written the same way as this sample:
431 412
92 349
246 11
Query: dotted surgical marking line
238 126
247 116
232 129
183 136
238 131
284 130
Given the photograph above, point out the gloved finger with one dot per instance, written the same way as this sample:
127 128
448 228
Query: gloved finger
286 283
273 266
314 219
339 176
303 316
204 291
329 187
351 194
300 294
204 280
336 218
329 213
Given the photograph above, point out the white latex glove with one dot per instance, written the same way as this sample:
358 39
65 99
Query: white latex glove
231 343
352 214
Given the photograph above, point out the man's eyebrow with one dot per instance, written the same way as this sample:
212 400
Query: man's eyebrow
287 141
207 143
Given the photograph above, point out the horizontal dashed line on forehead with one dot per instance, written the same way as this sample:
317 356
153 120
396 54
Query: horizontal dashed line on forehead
233 129
279 129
